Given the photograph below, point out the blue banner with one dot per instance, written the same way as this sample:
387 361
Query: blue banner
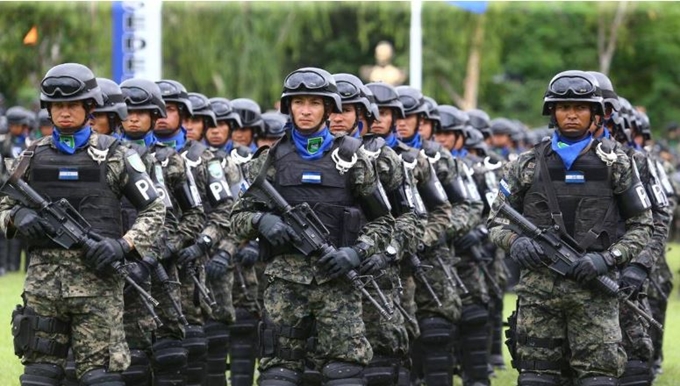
471 6
118 28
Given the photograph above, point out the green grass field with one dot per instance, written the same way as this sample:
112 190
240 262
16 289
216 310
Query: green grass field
10 366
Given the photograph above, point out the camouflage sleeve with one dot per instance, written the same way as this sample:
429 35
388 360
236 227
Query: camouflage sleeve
246 206
638 228
376 234
142 234
189 225
6 205
217 219
516 178
670 171
439 219
390 169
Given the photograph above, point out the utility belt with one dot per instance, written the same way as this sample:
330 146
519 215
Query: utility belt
25 322
270 346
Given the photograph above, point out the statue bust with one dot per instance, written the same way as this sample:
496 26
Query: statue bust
383 70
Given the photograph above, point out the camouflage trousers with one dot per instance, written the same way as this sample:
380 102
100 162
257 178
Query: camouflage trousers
95 313
388 338
569 327
172 328
194 306
137 321
221 289
408 301
448 295
473 279
246 289
636 339
336 309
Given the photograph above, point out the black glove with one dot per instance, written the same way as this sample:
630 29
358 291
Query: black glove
169 251
193 252
590 266
248 254
140 270
277 232
527 253
374 264
339 262
472 238
218 264
632 278
29 224
104 252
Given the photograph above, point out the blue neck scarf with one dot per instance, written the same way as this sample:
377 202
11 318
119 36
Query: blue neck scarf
148 140
177 141
605 134
459 153
253 147
357 132
415 141
19 139
68 143
391 140
312 146
569 149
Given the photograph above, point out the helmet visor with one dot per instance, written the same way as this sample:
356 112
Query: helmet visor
347 90
410 103
221 109
310 80
384 94
248 117
197 103
572 85
136 96
66 86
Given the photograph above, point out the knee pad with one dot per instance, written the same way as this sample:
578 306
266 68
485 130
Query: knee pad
197 349
279 376
311 377
243 348
217 334
473 350
636 373
168 356
436 331
538 379
404 378
436 335
139 371
100 377
41 374
343 374
598 381
474 314
381 371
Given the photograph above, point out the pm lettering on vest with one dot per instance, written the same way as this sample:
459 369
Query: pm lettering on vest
220 191
143 187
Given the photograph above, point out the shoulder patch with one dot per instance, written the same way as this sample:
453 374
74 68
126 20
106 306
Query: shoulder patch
504 188
135 161
215 169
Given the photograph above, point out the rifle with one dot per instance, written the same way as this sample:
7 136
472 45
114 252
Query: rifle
162 276
452 277
419 273
70 229
192 269
563 255
477 253
242 281
313 234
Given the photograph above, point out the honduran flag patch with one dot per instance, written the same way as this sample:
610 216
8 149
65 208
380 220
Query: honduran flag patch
68 174
311 177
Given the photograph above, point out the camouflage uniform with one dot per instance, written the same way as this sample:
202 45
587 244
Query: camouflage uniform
550 305
60 285
298 292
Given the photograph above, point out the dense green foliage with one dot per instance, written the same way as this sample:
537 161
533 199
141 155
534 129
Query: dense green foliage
244 49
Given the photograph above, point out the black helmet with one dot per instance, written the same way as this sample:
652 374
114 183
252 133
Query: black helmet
350 89
113 99
249 111
432 112
412 99
44 118
502 126
480 120
274 125
174 91
452 119
608 93
573 85
644 126
200 105
373 112
69 82
224 111
142 94
386 96
18 115
310 81
474 139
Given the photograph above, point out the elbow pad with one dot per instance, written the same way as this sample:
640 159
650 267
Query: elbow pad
187 195
139 189
159 183
633 200
432 192
375 204
456 191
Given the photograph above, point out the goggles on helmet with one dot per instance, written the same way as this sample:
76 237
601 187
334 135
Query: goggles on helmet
66 85
572 85
310 80
136 96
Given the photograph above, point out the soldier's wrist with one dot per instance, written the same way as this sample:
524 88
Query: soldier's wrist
362 249
255 220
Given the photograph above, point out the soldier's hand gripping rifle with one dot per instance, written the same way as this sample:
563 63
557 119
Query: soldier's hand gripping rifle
419 273
562 256
70 229
311 231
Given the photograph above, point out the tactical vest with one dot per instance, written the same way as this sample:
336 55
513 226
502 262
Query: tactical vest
584 195
82 181
318 183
